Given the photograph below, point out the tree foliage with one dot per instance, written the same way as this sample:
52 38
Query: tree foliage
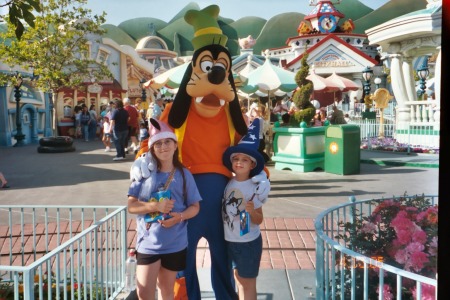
302 95
21 10
57 50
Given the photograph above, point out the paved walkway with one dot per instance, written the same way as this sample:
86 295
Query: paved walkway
89 176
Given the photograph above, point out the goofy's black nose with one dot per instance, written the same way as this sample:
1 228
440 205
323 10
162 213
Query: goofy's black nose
216 75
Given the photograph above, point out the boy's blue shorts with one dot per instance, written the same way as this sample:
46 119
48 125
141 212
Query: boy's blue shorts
245 257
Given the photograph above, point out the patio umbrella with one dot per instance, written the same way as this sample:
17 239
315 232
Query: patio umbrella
269 78
344 84
168 92
322 84
247 69
170 78
239 80
324 89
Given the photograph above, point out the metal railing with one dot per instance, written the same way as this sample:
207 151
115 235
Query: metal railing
342 273
408 139
62 252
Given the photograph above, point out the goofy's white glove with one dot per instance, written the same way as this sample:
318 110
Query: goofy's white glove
263 188
142 167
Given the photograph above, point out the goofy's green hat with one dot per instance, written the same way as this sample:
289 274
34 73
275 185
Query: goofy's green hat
207 30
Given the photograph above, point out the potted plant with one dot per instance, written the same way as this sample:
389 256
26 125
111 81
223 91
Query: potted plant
299 147
302 96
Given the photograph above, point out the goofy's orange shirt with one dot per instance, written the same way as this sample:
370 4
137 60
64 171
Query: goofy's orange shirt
202 141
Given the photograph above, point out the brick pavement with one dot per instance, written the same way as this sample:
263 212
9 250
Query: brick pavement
288 243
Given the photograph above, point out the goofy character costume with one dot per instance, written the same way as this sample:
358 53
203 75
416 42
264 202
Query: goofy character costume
206 119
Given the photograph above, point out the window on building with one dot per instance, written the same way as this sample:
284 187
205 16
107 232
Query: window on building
86 51
102 55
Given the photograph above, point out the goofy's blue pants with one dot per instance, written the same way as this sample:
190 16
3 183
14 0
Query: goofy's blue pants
208 224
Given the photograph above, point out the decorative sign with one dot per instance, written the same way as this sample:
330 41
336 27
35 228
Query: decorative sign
94 88
332 63
134 91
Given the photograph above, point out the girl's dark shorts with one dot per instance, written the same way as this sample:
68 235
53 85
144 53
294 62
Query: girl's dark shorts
171 261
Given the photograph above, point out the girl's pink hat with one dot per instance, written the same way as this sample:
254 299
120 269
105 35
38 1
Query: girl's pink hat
159 130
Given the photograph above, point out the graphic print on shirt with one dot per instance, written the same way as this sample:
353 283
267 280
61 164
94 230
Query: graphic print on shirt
231 208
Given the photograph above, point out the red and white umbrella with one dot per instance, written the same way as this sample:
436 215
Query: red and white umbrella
324 89
322 84
344 84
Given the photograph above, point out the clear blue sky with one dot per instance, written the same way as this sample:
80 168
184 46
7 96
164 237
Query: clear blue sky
119 10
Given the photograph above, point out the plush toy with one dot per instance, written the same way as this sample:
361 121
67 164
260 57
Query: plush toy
206 119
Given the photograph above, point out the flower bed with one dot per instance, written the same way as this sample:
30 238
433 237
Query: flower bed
401 233
50 288
392 145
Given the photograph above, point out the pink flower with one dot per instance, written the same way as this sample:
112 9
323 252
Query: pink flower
415 247
403 237
430 215
401 256
369 228
419 236
428 292
401 220
387 295
418 260
433 246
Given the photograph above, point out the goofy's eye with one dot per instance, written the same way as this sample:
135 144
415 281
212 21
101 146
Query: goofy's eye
221 65
206 66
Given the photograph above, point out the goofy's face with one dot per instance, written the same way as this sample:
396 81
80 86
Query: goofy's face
209 85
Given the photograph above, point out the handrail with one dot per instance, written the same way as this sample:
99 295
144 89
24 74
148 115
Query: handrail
326 247
93 260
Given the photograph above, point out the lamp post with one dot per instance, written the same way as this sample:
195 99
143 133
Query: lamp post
423 73
367 74
17 94
377 82
144 92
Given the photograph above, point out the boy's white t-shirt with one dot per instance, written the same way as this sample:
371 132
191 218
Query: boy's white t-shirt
236 195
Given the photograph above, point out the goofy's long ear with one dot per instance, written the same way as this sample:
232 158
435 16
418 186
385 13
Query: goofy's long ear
181 103
235 110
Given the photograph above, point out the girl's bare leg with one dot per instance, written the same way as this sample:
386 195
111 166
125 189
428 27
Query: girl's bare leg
146 277
166 281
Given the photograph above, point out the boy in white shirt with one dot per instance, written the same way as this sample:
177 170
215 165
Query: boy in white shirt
242 211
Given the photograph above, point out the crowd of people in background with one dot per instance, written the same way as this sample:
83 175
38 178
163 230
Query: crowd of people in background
110 128
120 124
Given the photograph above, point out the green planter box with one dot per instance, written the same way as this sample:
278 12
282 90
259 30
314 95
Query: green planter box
299 149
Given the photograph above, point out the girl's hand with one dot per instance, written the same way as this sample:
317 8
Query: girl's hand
167 223
165 206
